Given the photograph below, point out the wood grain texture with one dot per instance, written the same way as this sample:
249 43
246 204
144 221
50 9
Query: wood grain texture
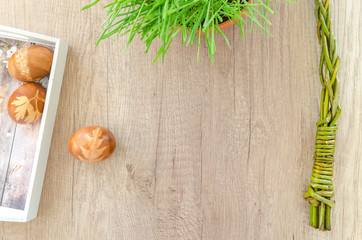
18 142
8 127
204 151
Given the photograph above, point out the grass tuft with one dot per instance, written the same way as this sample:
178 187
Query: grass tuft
165 19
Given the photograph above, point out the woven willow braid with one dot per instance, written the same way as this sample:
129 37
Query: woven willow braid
321 190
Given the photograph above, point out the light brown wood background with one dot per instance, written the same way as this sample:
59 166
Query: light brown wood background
213 152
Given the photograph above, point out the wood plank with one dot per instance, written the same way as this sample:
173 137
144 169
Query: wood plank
18 142
8 127
20 166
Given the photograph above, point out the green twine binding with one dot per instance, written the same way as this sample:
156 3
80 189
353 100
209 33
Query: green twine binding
321 190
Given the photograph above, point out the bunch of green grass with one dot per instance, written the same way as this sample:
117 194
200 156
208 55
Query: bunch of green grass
164 19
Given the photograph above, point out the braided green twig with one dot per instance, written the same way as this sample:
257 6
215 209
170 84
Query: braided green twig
321 190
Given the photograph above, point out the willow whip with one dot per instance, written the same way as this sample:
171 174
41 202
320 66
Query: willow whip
321 190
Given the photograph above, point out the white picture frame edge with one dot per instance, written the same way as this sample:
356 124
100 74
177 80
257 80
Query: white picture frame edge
47 122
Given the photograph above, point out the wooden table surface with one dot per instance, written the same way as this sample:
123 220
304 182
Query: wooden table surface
204 151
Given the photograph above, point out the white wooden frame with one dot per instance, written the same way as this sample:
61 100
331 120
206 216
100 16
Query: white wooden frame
47 122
